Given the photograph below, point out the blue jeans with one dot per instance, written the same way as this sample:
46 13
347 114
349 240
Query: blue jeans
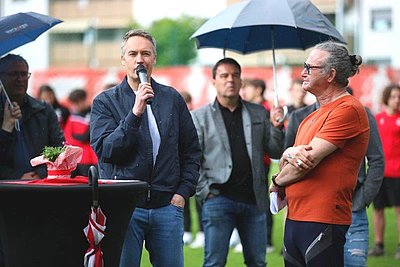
220 216
162 231
357 237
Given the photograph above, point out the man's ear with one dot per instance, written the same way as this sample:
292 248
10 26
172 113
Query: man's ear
331 75
122 61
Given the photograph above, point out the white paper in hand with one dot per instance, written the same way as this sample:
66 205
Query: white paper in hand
276 203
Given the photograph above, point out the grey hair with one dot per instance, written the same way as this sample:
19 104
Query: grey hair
141 33
339 59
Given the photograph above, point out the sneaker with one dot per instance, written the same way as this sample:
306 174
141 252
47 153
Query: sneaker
270 249
187 238
397 255
238 248
198 242
376 251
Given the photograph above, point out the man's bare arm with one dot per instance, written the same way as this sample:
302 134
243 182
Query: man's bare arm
298 161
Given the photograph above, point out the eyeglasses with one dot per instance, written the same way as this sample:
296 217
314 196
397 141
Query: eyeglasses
17 74
308 67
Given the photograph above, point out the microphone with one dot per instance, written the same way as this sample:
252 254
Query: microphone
141 72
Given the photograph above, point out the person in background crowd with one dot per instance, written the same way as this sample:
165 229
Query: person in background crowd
234 135
38 123
198 241
47 94
253 91
389 193
319 173
77 131
298 95
368 184
154 142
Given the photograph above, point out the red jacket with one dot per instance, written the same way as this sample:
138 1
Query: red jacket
76 133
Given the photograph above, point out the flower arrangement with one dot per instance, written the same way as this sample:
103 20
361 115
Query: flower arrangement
51 153
60 161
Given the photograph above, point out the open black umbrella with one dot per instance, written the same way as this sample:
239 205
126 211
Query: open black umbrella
258 25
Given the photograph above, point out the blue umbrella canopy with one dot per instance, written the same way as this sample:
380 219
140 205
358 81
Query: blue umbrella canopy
22 28
258 25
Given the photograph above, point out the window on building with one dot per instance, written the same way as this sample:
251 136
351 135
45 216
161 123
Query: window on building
107 35
67 37
381 19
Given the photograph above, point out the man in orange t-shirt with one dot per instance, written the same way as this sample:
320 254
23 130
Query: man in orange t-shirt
320 172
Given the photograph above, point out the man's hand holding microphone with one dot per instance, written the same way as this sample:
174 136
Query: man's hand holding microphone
144 94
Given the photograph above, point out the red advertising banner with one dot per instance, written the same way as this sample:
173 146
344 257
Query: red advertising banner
367 85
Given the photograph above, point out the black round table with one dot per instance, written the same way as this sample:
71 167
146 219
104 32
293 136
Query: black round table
42 225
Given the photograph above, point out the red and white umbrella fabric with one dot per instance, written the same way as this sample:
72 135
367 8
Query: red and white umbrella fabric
95 230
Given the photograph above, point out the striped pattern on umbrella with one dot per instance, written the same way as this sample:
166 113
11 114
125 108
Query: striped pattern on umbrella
95 232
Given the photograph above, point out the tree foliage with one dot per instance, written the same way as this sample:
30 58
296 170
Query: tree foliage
172 36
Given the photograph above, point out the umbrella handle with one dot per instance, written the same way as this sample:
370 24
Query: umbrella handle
93 181
11 104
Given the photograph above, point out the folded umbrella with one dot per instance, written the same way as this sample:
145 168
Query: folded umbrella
95 230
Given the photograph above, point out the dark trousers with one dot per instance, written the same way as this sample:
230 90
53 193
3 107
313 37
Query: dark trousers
268 212
314 244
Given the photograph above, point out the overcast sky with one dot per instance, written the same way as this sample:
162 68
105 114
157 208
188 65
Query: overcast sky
146 11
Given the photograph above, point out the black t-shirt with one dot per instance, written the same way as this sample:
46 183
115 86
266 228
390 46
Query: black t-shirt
239 187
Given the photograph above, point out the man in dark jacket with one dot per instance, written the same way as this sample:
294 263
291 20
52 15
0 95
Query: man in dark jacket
155 142
37 121
27 124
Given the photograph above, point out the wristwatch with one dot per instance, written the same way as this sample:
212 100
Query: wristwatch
273 180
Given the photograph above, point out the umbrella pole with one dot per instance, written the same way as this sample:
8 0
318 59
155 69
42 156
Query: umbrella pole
10 103
276 100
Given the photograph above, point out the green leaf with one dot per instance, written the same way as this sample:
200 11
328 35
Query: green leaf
52 153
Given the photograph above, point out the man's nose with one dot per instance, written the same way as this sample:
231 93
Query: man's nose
139 58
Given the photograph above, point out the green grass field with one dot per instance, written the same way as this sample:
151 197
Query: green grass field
194 257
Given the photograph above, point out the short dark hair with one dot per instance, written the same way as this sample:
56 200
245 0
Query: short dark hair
77 95
11 58
141 33
45 88
387 91
257 83
228 61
